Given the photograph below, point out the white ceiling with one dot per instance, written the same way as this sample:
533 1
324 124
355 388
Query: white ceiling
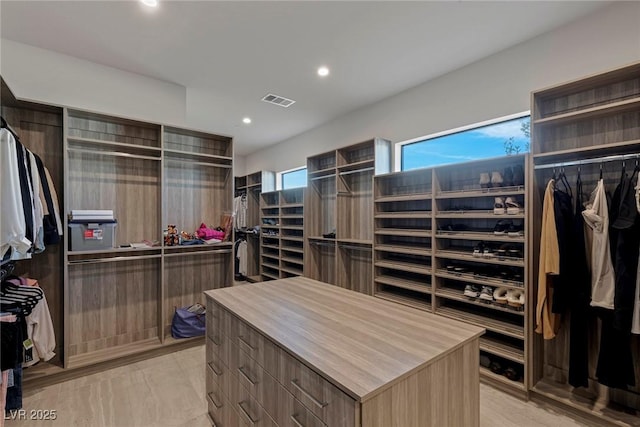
233 53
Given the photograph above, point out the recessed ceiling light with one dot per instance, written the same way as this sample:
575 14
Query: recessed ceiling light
246 120
323 71
150 3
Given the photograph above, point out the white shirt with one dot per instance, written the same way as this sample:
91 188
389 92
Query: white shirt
12 225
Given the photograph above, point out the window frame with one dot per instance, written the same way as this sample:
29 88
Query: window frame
280 177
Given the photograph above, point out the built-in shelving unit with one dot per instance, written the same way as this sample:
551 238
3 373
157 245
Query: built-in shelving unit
251 187
431 230
339 225
591 125
150 176
282 233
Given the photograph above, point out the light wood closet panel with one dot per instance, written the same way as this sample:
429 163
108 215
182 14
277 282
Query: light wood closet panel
587 124
195 194
40 130
112 304
187 277
355 271
355 203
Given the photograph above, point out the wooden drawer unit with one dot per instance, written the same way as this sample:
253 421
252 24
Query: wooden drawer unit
300 353
321 397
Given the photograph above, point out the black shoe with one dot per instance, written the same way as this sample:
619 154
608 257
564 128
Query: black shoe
518 175
502 226
331 235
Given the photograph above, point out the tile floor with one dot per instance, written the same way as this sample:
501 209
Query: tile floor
170 391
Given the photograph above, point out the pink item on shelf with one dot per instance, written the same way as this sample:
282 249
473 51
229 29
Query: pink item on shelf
207 233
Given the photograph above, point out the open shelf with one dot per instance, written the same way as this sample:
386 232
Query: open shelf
397 282
480 280
476 214
458 296
584 153
404 266
481 192
501 379
463 256
587 113
404 214
404 249
491 324
402 299
403 197
502 349
487 236
403 232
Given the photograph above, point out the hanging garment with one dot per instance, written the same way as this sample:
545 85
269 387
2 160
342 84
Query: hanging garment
563 215
38 212
635 322
242 258
580 300
240 211
596 216
547 322
26 193
13 231
39 329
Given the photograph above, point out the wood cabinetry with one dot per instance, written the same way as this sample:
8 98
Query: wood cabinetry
339 202
298 352
282 233
120 301
251 187
439 233
589 127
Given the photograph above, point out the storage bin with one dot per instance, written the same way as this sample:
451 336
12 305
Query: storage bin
87 235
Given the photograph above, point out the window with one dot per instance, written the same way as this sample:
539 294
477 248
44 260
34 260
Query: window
294 178
500 138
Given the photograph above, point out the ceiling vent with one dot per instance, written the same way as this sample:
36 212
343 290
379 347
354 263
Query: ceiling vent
278 100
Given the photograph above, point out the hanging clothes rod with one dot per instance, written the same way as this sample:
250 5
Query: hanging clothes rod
589 161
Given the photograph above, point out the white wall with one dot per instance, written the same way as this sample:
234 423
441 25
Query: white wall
496 86
48 77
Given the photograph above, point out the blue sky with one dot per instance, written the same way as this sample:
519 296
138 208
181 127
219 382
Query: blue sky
487 141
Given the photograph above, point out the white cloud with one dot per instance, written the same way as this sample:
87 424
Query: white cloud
502 130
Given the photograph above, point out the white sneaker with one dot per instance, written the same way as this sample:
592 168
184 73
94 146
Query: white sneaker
499 206
486 293
513 207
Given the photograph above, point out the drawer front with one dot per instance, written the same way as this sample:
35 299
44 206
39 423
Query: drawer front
250 413
222 413
217 381
253 343
325 400
214 320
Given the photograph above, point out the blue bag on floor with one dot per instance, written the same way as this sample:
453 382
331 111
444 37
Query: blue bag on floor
189 322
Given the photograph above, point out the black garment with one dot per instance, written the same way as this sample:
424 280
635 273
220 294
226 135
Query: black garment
580 300
563 212
10 345
615 361
25 186
49 224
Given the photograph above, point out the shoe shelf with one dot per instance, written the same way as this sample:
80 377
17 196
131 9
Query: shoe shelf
283 255
404 283
403 215
582 114
495 260
296 249
480 192
403 266
487 373
408 298
356 166
488 322
403 197
480 279
292 260
476 214
487 236
490 344
402 249
457 295
354 241
406 232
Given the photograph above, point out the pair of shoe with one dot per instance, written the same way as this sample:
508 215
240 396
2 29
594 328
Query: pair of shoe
509 206
510 370
509 251
473 291
507 227
482 251
493 180
511 297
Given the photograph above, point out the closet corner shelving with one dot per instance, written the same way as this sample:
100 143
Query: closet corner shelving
120 301
592 123
338 206
428 222
252 186
282 233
